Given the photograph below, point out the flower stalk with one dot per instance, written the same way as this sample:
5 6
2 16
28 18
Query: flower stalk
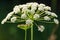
32 32
25 34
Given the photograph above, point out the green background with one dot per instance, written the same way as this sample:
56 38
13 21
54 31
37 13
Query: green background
11 32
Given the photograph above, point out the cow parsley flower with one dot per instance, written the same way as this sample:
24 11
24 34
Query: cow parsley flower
31 14
41 28
54 15
47 8
47 18
29 21
56 21
36 16
13 19
24 16
16 9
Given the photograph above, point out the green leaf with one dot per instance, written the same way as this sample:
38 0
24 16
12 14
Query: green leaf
24 26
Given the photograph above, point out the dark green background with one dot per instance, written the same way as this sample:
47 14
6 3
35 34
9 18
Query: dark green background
11 32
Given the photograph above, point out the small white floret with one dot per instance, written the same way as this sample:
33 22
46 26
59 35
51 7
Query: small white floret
47 8
41 8
9 15
48 12
13 19
34 6
24 9
32 11
36 16
47 18
56 21
42 5
24 16
16 9
29 21
54 15
3 21
41 28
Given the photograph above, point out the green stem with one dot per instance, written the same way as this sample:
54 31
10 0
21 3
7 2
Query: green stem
44 21
25 34
32 32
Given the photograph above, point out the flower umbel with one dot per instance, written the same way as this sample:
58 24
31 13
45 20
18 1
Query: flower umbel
30 13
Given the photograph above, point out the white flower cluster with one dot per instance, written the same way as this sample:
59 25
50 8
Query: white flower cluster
7 17
41 28
47 18
16 9
36 16
13 19
29 21
56 21
30 12
24 16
